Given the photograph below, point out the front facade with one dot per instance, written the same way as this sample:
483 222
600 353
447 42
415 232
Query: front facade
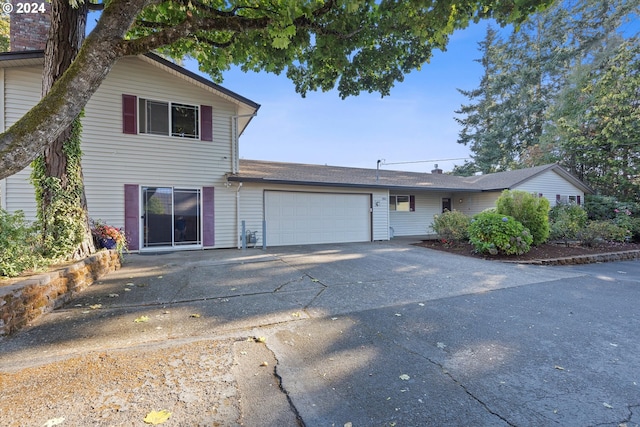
158 142
292 204
161 160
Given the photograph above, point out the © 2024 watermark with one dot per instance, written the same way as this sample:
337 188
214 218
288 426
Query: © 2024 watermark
21 7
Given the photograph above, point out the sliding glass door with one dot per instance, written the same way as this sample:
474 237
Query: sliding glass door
171 217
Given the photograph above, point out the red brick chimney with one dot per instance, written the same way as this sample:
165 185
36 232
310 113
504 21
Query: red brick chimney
437 170
29 31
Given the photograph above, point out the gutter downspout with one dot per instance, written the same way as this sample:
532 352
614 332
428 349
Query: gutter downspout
238 213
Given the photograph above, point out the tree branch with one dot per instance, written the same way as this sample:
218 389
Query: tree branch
26 138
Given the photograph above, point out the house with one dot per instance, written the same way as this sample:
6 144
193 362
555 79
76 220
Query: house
161 159
302 204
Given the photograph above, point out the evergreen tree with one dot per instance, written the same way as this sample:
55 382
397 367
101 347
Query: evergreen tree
529 74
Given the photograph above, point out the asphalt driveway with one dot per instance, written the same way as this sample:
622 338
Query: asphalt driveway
374 334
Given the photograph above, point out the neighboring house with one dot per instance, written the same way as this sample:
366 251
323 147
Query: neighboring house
161 160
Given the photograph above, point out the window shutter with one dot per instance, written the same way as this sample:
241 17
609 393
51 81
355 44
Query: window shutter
132 215
206 123
129 119
557 198
578 200
208 223
412 203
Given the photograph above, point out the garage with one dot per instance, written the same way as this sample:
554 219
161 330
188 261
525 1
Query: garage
301 218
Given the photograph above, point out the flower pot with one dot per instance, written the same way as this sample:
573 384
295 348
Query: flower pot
107 243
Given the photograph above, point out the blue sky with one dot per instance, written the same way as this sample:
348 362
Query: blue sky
415 123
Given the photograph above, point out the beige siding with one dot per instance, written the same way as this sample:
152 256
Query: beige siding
380 215
151 160
550 184
417 223
112 159
473 203
251 200
22 88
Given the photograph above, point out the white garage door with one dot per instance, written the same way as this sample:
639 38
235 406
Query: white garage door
305 218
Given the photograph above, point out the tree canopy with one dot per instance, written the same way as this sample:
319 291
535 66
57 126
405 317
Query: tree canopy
564 88
350 45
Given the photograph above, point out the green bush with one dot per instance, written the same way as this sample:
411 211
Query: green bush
451 226
494 233
566 221
633 226
597 232
18 245
530 210
600 208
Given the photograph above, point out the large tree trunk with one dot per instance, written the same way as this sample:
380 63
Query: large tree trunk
66 34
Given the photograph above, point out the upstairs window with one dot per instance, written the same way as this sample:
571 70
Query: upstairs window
165 118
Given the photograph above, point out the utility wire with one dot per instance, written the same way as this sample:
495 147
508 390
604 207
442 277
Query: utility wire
423 161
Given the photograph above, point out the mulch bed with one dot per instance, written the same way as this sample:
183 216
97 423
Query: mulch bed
540 252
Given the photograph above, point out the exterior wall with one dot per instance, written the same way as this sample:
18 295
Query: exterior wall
473 203
251 202
418 222
112 159
22 88
550 184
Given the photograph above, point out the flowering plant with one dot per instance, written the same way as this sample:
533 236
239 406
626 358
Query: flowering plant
102 232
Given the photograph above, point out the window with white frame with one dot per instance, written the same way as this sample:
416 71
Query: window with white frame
168 118
399 203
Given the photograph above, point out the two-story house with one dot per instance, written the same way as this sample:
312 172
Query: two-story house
161 159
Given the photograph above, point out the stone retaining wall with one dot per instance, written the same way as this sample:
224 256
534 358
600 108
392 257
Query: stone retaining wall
586 259
25 300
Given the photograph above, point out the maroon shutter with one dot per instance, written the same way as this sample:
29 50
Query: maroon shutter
132 215
129 119
206 123
208 224
412 203
557 198
578 200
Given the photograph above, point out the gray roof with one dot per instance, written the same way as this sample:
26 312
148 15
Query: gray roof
338 176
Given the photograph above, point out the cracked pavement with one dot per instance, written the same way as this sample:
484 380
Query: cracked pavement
374 334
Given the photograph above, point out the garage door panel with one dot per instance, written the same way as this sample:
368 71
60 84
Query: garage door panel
295 218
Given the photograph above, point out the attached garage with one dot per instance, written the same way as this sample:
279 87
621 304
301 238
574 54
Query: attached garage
300 218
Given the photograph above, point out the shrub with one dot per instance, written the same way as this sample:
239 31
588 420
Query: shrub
597 232
494 233
599 208
566 221
19 250
530 210
634 229
451 226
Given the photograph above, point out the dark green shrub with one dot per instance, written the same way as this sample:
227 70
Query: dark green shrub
600 208
634 229
18 245
566 221
451 226
530 210
598 232
494 233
